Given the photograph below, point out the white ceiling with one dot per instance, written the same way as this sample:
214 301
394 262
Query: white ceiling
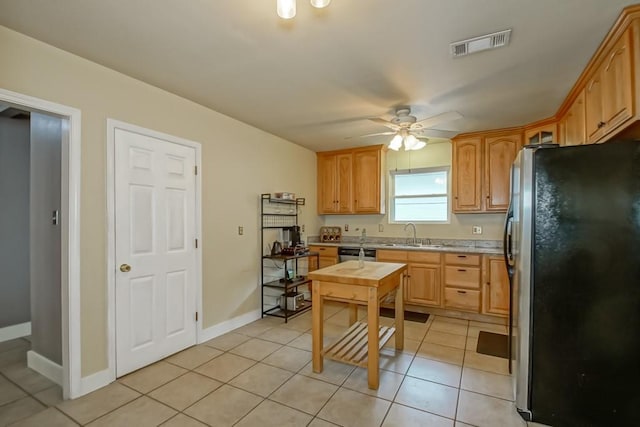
315 79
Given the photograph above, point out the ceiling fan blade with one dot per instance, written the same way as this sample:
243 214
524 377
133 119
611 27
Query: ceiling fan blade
385 123
438 118
434 133
371 134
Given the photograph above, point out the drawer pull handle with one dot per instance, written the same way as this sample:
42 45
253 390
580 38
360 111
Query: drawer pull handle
462 256
462 292
462 270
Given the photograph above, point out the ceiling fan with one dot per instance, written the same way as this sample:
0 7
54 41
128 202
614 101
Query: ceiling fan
409 130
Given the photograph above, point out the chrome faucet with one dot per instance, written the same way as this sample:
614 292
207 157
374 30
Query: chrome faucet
415 240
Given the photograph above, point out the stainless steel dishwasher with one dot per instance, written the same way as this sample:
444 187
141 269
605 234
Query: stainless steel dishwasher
351 252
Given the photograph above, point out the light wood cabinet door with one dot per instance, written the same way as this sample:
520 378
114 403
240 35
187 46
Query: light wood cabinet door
328 255
594 126
424 285
617 86
327 181
499 154
573 123
496 297
344 187
542 134
366 178
467 175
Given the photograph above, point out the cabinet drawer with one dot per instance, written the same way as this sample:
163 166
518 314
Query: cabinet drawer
325 250
462 299
462 259
424 257
463 277
391 255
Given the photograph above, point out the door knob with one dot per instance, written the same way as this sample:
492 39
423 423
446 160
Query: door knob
125 268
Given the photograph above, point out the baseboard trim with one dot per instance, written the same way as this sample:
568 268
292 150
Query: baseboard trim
15 331
228 325
95 381
45 367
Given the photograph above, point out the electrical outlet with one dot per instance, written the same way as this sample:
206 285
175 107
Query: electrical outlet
346 227
380 228
476 229
240 230
302 229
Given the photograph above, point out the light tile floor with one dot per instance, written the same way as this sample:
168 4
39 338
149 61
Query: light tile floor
260 375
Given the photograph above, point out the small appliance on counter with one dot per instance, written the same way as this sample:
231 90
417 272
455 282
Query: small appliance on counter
330 234
292 301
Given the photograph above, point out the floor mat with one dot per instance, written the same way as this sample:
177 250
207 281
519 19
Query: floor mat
493 344
408 315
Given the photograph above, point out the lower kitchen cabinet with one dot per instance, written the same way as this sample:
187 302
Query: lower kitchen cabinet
496 286
466 282
423 287
328 256
462 282
424 284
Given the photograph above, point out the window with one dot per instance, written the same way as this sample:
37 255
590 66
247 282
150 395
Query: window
420 195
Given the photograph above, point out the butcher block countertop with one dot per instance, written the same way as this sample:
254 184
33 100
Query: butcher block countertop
349 273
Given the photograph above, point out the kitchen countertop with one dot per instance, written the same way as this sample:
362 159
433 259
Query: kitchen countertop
426 248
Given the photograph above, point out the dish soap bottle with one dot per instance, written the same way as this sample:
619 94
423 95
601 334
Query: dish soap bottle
361 258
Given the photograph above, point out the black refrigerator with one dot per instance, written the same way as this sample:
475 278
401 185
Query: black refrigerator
572 243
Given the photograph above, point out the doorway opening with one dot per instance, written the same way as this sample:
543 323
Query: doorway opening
40 171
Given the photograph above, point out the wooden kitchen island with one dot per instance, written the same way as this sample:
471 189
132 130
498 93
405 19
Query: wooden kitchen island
360 344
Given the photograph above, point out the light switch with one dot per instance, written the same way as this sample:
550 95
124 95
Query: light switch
346 227
240 230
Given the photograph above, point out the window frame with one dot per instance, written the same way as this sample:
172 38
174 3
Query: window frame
392 189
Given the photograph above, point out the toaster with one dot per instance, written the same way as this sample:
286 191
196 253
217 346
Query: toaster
292 301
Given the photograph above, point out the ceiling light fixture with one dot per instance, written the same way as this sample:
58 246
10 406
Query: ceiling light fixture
410 141
287 8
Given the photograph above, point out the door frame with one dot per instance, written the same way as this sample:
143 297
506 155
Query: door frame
70 233
112 125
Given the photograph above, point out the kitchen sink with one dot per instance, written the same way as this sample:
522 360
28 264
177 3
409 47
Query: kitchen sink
412 245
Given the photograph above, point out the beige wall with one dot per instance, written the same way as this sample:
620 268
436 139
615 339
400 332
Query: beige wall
433 155
239 163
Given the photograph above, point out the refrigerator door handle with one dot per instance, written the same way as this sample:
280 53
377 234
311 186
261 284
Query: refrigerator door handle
507 242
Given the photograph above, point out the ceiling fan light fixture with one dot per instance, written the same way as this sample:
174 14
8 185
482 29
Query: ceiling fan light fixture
286 9
410 142
419 145
396 142
320 3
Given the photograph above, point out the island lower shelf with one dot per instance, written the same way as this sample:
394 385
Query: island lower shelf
352 348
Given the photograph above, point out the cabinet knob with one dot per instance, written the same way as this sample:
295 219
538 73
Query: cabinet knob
601 125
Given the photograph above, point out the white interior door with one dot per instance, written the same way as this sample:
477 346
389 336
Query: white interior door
155 249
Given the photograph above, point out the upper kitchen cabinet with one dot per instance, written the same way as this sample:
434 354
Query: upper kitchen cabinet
500 152
541 133
481 165
609 91
335 190
351 181
467 176
572 124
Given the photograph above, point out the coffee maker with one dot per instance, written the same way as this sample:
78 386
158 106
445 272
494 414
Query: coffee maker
292 235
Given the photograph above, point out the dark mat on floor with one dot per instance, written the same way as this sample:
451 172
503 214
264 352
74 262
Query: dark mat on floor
493 344
408 315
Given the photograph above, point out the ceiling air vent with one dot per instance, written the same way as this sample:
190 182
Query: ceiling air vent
478 44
